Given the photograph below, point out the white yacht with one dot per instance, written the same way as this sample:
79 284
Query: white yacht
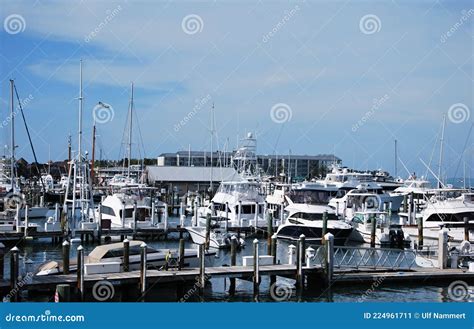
119 208
240 203
218 238
382 202
276 199
362 207
418 187
446 208
346 181
308 203
307 219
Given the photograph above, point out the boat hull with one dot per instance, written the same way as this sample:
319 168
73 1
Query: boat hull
312 234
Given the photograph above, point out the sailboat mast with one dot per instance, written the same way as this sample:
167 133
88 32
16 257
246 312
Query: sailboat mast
80 112
396 157
212 138
93 154
441 150
12 131
130 132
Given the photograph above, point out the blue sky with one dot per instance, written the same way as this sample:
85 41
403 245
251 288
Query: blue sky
352 76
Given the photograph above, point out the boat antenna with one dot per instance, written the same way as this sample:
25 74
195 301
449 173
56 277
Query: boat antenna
12 131
441 145
396 157
130 131
81 99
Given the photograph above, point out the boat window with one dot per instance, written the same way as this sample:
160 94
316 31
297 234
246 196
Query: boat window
134 250
313 217
313 197
108 211
451 217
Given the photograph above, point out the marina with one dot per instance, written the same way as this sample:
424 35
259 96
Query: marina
299 152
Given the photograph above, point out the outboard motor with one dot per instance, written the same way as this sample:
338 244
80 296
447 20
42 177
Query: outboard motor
396 237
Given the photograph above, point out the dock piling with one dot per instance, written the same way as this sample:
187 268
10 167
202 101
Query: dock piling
80 272
256 271
274 255
2 261
226 223
126 255
208 231
291 254
14 272
195 217
329 264
299 261
66 248
373 221
269 232
420 233
466 228
202 265
181 254
99 226
233 261
17 218
310 252
443 249
143 267
166 214
239 214
26 221
134 218
325 226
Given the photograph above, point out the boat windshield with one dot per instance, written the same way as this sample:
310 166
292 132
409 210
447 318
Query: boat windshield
313 197
313 216
459 217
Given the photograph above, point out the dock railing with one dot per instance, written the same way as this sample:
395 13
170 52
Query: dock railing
367 258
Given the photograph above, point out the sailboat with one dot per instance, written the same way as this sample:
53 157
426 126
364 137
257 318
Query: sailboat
78 201
131 203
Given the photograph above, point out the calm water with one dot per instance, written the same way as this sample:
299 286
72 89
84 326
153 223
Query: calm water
37 252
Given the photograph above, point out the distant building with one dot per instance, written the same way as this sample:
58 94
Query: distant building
182 179
296 166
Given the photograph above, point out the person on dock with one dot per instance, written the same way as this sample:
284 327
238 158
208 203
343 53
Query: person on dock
167 259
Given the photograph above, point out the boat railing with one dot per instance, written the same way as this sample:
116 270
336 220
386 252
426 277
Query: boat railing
369 258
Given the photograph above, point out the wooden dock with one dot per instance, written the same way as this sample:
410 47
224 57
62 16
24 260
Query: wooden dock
341 277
